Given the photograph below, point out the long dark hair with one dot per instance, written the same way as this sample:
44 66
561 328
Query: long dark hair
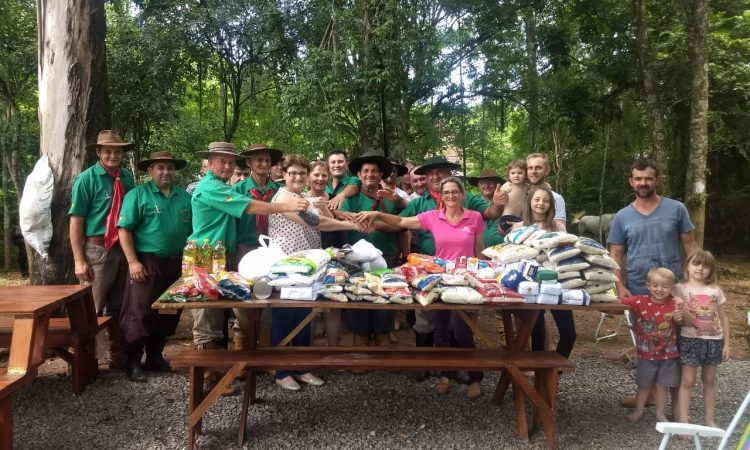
548 223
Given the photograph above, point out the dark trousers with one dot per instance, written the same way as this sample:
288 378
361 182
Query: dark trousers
366 322
566 326
284 321
142 326
447 324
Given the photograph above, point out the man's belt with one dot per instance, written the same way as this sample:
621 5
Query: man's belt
98 240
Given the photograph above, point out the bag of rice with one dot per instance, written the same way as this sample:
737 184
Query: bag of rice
424 298
574 263
454 280
461 295
519 235
495 293
558 254
598 287
594 274
552 239
426 282
516 252
602 260
590 246
575 297
604 297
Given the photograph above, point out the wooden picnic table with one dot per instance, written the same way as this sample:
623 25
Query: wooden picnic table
31 308
518 320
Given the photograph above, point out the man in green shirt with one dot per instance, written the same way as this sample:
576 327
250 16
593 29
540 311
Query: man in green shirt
435 169
342 185
154 224
96 200
216 208
371 169
488 181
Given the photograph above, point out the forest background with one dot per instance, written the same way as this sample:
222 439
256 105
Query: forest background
593 83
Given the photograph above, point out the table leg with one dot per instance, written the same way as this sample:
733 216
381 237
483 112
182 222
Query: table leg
27 344
542 405
299 327
515 340
6 423
82 316
196 396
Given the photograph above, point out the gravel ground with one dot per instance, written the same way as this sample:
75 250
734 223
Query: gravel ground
376 410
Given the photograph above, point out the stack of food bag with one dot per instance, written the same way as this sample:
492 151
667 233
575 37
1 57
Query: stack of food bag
299 274
578 264
335 280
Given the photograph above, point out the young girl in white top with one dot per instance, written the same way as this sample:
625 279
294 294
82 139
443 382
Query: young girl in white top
704 336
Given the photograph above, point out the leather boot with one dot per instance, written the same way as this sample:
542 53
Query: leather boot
118 348
155 361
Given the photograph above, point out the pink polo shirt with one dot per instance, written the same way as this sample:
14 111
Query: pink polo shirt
452 241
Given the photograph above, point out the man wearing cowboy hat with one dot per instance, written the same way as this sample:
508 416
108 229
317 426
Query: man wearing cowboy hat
216 208
488 181
371 169
97 196
391 190
435 168
155 221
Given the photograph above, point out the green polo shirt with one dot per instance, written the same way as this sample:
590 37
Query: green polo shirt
427 203
216 208
385 242
92 197
247 232
346 181
491 236
160 225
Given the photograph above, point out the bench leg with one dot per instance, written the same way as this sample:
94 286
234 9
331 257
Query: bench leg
542 404
6 423
519 405
196 395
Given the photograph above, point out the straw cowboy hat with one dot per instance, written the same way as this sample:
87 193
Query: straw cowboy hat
401 169
161 157
435 162
252 149
372 158
110 139
486 174
220 148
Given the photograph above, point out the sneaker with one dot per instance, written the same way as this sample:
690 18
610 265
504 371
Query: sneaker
474 390
288 384
443 386
310 379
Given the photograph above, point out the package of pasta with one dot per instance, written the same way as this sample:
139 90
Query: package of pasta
335 275
235 286
205 283
393 280
461 295
399 295
358 286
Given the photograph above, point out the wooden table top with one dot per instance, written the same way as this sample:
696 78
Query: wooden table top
37 300
275 302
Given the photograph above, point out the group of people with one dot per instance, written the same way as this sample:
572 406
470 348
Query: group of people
127 241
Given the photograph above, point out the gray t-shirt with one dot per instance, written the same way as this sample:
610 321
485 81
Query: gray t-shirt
559 207
651 241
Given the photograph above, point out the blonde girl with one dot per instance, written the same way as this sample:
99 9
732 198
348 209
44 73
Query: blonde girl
704 336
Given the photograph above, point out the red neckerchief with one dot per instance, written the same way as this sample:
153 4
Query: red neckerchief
377 202
261 221
118 192
436 196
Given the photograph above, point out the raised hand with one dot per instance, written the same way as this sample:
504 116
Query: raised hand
500 197
387 193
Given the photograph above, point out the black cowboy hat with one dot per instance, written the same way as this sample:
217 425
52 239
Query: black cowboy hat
385 166
401 169
435 162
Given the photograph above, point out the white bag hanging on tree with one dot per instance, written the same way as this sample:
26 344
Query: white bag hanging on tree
256 263
34 212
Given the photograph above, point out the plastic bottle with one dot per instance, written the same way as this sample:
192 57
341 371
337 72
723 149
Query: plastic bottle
220 258
206 255
189 258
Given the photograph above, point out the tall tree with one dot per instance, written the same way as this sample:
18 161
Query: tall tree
73 107
695 190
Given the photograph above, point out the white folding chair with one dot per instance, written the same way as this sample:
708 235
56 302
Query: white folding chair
670 429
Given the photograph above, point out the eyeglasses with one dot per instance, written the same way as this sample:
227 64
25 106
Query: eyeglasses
293 174
451 193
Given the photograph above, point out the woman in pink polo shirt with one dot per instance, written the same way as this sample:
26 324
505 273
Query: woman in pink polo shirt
457 232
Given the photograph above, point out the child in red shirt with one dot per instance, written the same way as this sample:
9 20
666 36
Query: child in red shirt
656 317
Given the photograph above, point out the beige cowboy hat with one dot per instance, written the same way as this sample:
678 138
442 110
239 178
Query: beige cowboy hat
276 155
161 157
109 138
220 148
486 174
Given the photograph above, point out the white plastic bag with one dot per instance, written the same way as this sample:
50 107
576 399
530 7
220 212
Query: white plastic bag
255 264
363 251
35 211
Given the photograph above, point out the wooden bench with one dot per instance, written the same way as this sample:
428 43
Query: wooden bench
543 395
64 343
9 385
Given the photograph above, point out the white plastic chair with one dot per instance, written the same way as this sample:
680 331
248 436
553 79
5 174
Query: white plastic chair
670 429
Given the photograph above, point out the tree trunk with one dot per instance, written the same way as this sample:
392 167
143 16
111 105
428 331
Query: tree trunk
73 108
653 96
7 245
695 192
532 77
